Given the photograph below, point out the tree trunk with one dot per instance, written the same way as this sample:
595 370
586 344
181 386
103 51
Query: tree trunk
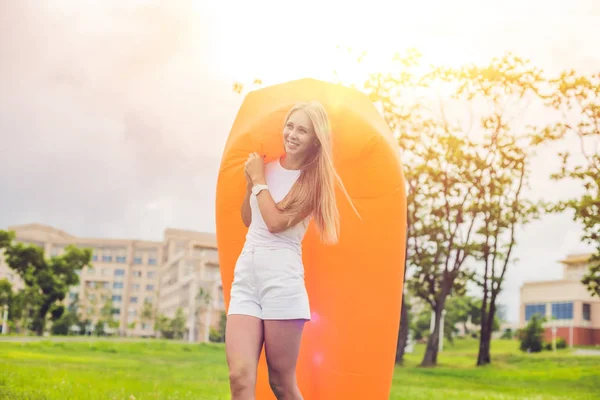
485 339
402 334
404 318
431 352
40 319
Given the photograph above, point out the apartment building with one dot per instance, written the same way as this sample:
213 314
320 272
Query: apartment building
190 279
565 303
129 273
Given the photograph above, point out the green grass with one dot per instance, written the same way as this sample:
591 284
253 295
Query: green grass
141 370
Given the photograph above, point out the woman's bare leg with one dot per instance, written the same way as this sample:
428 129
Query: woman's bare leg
282 345
243 343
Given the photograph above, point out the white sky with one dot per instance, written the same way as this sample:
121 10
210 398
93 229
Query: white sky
113 114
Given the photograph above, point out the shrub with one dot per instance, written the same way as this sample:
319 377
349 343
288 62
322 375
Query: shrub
532 336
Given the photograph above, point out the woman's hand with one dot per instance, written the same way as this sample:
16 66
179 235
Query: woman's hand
255 168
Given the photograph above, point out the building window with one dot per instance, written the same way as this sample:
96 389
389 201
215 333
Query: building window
118 285
137 274
106 258
133 299
149 287
135 287
137 260
151 274
587 312
119 272
116 311
151 261
121 259
532 309
116 298
562 310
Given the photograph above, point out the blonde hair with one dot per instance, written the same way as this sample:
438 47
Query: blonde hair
315 188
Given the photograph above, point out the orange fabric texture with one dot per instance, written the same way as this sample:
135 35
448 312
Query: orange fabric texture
355 287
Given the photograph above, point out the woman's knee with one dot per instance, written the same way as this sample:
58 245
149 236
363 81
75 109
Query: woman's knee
242 378
283 384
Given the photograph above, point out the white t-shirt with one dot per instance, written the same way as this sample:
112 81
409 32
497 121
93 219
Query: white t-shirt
280 181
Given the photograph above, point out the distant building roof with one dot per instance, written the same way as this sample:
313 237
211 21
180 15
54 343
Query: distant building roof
576 258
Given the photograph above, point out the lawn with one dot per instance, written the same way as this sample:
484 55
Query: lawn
128 370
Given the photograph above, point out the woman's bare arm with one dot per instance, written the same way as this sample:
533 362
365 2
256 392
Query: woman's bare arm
276 220
246 212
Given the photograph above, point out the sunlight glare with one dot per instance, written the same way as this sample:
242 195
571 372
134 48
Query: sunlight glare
280 41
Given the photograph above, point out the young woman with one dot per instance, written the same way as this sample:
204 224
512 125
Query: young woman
269 303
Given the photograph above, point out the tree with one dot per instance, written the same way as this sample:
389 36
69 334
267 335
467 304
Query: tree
107 317
578 99
63 324
464 178
592 279
532 337
503 157
420 324
171 328
50 278
6 293
178 324
218 335
441 164
6 296
404 328
461 310
203 301
148 313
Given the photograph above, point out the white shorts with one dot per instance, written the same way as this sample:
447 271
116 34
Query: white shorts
269 284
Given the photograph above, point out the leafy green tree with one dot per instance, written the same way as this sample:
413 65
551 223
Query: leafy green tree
107 315
420 324
532 336
63 324
178 324
49 278
504 156
6 293
218 335
592 279
577 97
148 313
461 310
162 324
459 173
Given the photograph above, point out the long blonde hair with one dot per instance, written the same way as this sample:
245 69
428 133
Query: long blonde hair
315 188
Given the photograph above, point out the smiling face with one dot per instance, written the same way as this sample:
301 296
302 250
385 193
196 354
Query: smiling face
299 136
